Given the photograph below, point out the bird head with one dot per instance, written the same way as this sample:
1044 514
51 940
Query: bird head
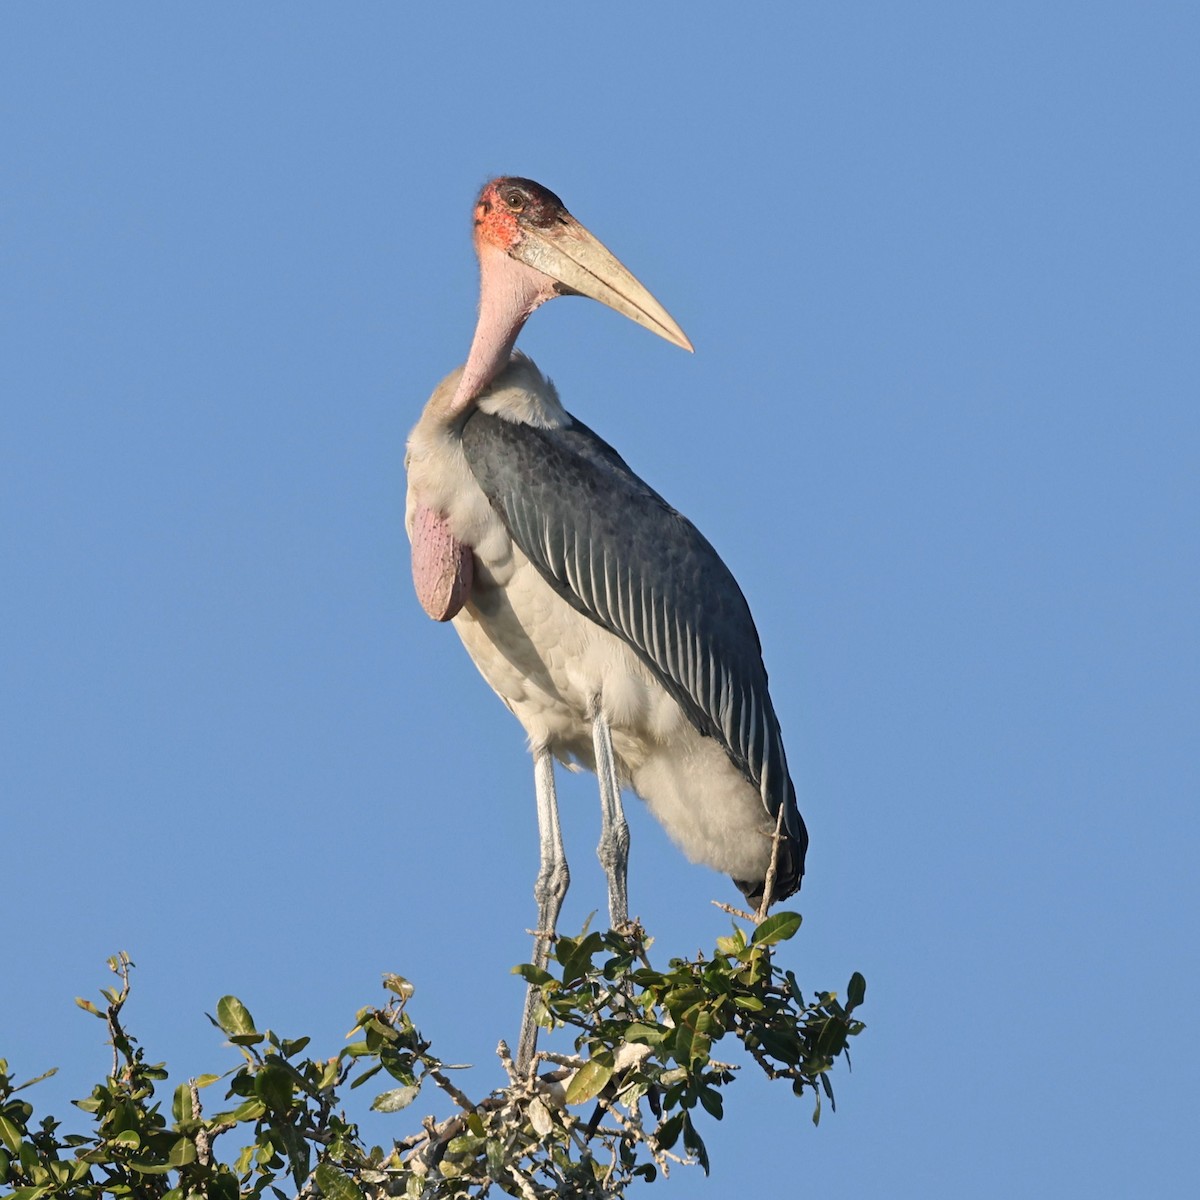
523 222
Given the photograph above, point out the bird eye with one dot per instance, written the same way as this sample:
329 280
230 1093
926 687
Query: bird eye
515 201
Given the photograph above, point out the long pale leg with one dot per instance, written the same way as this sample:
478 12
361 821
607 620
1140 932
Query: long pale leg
613 850
553 879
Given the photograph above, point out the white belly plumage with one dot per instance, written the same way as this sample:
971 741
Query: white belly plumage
551 665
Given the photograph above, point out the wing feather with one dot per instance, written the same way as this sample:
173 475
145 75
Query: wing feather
619 554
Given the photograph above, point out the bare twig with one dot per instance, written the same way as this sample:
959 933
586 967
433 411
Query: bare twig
633 1131
574 1061
506 1060
119 965
203 1138
769 882
460 1098
524 1185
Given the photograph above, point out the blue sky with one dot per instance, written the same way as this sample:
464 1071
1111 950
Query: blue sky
939 262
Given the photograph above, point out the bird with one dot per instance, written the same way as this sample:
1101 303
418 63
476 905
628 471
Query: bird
601 617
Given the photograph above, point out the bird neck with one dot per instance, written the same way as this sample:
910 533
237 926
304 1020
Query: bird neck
508 292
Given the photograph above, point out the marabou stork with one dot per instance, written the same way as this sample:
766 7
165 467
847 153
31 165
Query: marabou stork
599 615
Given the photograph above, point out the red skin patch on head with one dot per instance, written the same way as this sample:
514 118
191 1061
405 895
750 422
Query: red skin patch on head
495 223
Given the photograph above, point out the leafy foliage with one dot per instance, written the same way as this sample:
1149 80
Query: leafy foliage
619 1109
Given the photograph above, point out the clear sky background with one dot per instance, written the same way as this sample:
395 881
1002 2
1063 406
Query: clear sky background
939 261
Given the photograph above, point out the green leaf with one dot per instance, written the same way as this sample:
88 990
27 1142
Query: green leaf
400 1068
776 928
252 1110
182 1153
734 944
148 1166
668 1132
693 1036
590 1080
463 1145
36 1079
831 1041
10 1135
361 1079
233 1016
693 1143
494 1153
203 1081
750 1003
576 957
782 1042
336 1185
713 1102
651 1035
396 1099
223 1185
534 975
274 1087
683 999
398 984
565 946
794 988
856 991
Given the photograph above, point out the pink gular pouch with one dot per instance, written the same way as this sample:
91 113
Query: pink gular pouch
443 567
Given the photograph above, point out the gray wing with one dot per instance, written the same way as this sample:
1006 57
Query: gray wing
620 555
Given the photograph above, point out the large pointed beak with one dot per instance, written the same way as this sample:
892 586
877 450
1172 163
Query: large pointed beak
581 263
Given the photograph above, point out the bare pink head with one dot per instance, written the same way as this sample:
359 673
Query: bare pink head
531 250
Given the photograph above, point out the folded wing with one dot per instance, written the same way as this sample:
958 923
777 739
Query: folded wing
619 554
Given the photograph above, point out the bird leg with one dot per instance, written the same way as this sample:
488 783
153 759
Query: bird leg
613 850
553 879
